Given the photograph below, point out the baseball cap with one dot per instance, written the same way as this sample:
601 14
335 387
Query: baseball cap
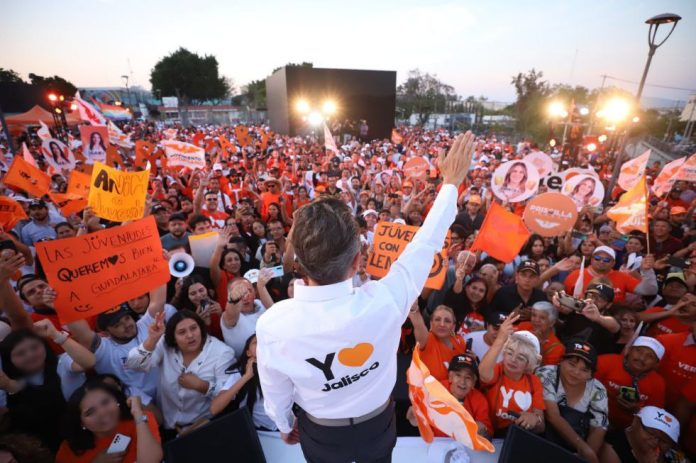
272 180
605 228
407 184
606 250
465 360
335 160
399 221
675 276
651 343
605 291
495 318
584 350
530 338
475 199
528 265
662 420
157 208
111 317
368 212
37 203
677 210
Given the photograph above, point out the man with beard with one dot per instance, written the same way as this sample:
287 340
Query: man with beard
177 236
39 227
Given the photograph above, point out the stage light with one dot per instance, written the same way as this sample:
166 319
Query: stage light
636 119
552 143
591 147
73 106
616 110
58 111
117 103
302 106
602 138
61 98
315 118
52 97
563 114
329 107
584 111
556 109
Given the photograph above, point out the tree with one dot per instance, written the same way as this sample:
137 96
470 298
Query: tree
9 76
532 93
189 76
424 94
254 93
53 84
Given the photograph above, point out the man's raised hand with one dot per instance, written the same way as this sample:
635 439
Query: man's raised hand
455 164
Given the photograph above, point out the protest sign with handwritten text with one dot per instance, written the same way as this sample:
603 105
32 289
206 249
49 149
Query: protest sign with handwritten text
390 241
93 273
116 195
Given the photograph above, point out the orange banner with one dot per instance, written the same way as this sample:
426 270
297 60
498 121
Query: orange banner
11 212
27 177
96 272
68 203
502 234
242 134
79 183
143 152
390 241
630 213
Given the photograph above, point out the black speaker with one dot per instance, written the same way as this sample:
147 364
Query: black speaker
521 446
229 438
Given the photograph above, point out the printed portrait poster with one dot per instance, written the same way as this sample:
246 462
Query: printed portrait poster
96 272
585 190
515 181
57 155
390 240
95 141
116 195
550 214
541 161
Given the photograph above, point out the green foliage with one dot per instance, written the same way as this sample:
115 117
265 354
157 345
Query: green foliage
254 93
189 76
424 94
9 76
54 84
532 93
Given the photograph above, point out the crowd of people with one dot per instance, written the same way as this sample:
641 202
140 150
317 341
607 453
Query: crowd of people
609 375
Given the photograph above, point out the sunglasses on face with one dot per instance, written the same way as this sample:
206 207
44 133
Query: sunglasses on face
606 260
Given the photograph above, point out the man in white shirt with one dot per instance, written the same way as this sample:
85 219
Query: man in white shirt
332 348
480 341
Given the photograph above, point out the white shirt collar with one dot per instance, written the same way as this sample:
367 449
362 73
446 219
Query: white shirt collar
322 293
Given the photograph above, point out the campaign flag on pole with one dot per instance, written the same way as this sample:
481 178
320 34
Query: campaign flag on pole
117 137
396 137
44 133
329 142
27 177
88 112
687 171
143 152
184 154
630 213
502 234
580 283
11 212
26 154
667 177
632 171
436 408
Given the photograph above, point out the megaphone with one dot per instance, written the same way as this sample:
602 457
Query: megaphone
181 264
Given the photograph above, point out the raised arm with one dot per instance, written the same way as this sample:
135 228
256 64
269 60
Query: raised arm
265 275
82 358
420 331
226 396
489 360
11 305
223 239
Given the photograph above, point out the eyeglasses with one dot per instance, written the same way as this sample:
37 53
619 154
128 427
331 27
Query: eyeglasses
606 260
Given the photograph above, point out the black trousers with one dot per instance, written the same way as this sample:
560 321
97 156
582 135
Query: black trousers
370 441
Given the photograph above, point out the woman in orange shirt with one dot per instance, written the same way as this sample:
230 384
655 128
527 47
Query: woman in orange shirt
95 414
440 344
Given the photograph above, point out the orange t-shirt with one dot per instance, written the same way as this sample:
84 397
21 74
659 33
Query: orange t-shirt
127 427
689 392
552 350
611 372
621 281
678 365
437 355
507 395
667 325
218 217
476 404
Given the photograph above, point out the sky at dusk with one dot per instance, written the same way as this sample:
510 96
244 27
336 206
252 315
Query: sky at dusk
474 46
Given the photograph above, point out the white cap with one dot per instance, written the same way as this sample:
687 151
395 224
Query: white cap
652 343
217 166
606 250
400 221
252 275
530 338
657 418
368 212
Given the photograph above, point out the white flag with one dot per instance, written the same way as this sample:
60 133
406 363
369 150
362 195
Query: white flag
329 141
28 156
43 132
88 112
580 282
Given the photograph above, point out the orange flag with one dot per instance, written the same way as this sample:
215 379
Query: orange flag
632 170
631 212
242 134
79 183
143 152
502 234
435 407
11 212
68 203
27 177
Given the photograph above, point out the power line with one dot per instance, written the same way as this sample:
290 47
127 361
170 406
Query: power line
647 85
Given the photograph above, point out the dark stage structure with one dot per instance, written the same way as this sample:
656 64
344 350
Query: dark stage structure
296 96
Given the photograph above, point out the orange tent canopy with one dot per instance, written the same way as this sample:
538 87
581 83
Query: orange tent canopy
36 114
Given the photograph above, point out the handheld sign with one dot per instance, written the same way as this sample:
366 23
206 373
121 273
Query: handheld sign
550 214
116 195
416 168
390 241
93 273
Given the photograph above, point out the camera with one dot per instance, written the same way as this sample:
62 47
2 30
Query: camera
570 302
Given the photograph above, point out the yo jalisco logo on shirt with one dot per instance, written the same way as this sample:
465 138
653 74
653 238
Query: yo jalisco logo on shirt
354 357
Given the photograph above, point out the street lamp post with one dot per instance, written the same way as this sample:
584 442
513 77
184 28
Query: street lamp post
654 22
130 104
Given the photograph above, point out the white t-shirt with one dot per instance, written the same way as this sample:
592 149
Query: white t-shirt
237 336
478 345
259 412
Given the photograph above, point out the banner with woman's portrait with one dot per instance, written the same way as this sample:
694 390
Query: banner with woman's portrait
585 190
57 155
515 181
95 141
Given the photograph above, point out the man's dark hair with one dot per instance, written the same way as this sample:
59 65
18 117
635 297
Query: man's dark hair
325 239
196 219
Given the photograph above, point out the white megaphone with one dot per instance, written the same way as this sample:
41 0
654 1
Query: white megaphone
181 264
